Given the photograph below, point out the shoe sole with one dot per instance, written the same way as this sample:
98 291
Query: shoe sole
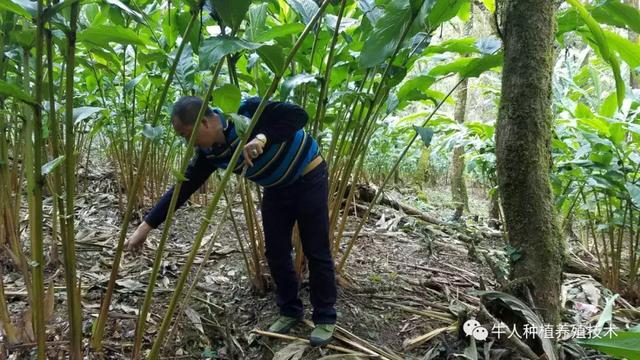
318 343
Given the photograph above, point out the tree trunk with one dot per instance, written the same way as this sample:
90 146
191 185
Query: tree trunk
523 151
634 77
458 186
494 210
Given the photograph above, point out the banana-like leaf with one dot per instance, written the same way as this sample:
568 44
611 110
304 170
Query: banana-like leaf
305 8
227 97
11 90
470 66
512 303
294 81
616 13
51 165
273 56
23 8
231 12
215 48
623 345
490 4
102 35
601 41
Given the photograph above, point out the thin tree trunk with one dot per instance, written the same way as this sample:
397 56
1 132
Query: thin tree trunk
633 37
523 151
458 186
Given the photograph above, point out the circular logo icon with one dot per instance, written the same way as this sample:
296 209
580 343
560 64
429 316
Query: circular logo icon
473 328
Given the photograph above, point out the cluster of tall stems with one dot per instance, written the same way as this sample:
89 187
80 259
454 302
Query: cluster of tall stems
25 151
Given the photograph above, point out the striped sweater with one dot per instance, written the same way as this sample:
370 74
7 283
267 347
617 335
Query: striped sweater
288 151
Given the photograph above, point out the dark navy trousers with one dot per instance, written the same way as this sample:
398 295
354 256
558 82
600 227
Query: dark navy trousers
304 201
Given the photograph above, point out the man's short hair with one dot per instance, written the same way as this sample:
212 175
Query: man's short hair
186 109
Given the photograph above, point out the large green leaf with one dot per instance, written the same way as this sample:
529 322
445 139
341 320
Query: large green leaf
490 4
102 35
305 8
134 14
84 112
413 88
186 68
231 12
622 345
346 22
603 47
385 37
372 11
257 19
482 64
609 106
279 31
23 9
634 193
273 56
294 81
11 90
215 48
469 67
614 12
227 97
426 134
629 51
51 165
460 46
443 10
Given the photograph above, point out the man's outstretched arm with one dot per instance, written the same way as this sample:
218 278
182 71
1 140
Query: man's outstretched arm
196 174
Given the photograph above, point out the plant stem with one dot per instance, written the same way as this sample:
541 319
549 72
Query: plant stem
33 163
74 304
365 217
137 346
96 339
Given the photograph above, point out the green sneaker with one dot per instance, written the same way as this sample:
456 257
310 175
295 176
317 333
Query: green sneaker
283 324
322 334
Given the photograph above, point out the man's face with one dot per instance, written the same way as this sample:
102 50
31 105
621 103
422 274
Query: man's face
209 132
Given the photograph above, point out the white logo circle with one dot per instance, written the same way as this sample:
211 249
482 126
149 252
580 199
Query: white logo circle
473 328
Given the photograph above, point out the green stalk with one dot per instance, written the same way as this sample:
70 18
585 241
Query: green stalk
322 103
35 182
155 350
364 219
253 242
68 245
207 254
96 339
142 318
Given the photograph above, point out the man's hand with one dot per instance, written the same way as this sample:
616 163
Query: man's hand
136 241
252 150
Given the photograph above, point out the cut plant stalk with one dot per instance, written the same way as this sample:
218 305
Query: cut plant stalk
96 339
157 344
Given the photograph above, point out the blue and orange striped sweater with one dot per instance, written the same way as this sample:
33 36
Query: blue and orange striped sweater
288 151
